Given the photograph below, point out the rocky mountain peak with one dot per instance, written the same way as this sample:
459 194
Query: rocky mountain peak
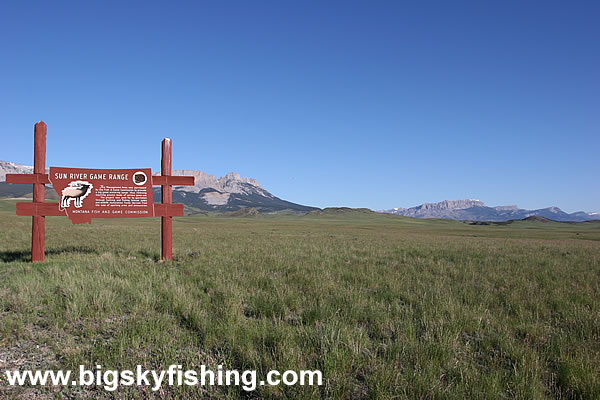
232 178
453 205
230 183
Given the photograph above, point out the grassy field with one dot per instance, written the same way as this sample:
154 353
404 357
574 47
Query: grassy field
386 307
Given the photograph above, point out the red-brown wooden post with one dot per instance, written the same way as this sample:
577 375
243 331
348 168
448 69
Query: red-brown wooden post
167 198
39 192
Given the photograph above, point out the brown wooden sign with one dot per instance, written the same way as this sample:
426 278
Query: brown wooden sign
98 193
103 193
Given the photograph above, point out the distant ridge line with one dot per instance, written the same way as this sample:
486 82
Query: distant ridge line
476 210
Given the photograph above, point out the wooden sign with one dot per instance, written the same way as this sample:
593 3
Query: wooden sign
103 193
98 193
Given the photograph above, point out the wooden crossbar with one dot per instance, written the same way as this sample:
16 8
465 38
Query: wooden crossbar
157 180
28 178
172 180
40 209
52 210
168 210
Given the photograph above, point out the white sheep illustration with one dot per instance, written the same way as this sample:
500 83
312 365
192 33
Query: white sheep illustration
77 190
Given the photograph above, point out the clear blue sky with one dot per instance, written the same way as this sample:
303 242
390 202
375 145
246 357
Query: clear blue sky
326 103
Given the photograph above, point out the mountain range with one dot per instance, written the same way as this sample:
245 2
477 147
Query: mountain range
232 193
476 210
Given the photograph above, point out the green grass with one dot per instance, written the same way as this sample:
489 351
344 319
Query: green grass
387 307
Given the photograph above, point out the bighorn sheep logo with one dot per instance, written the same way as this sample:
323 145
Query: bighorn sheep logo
77 190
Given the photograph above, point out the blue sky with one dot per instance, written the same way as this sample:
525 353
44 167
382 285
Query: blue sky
326 103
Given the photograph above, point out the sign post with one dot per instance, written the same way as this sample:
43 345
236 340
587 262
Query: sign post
166 224
38 234
98 193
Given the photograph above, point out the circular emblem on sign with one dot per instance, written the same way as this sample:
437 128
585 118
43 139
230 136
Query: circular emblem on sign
139 178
